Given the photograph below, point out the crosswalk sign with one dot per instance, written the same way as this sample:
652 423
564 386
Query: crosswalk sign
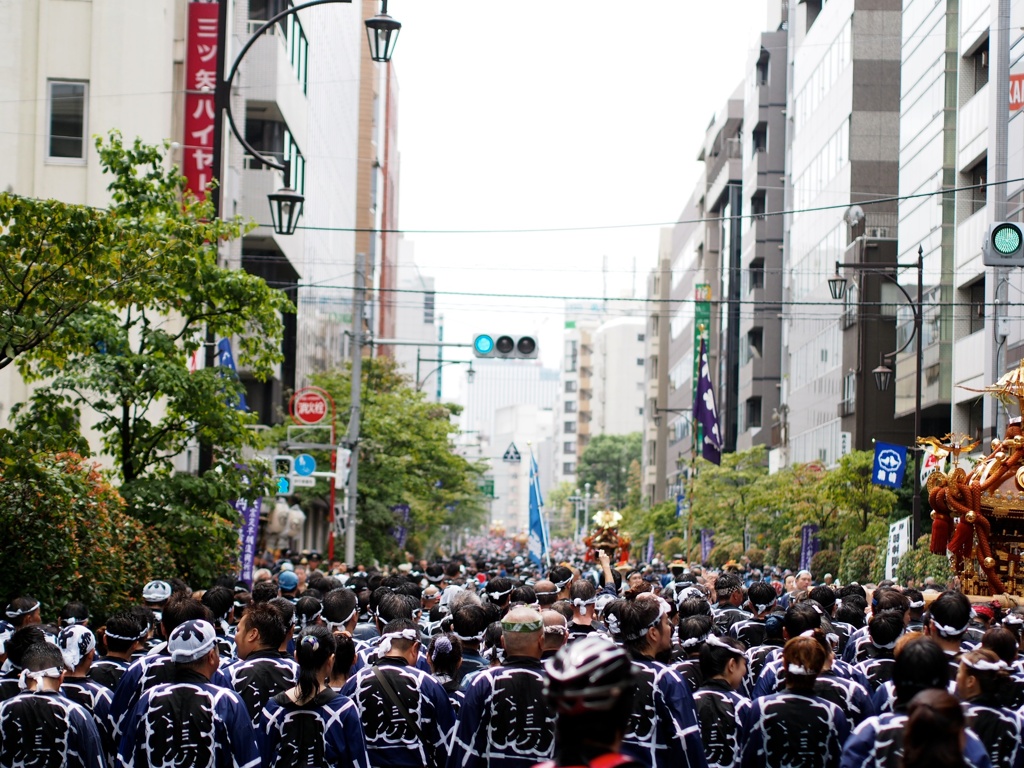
512 454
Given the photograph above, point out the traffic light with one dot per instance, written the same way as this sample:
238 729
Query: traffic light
504 346
283 468
1004 245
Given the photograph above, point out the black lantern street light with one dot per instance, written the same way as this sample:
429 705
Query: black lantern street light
286 203
883 373
382 34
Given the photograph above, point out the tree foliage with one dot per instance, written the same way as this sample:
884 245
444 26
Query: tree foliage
919 564
110 307
65 535
607 460
406 458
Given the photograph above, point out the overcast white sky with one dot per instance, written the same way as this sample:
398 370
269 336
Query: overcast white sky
561 113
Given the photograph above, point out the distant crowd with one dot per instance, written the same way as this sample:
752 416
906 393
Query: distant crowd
492 660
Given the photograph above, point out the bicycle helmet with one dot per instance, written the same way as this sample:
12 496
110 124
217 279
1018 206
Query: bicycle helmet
588 675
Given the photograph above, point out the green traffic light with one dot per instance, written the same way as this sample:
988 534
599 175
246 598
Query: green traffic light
483 344
1006 239
284 486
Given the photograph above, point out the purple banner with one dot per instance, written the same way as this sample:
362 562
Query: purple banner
250 512
400 528
707 543
808 545
650 548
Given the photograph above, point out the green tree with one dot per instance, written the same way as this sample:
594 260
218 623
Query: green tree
607 460
726 497
561 512
850 488
65 534
406 457
124 338
919 564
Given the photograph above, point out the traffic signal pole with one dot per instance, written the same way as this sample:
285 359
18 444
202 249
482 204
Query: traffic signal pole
352 439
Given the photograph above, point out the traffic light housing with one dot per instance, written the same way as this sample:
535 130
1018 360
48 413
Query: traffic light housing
505 346
284 466
1004 245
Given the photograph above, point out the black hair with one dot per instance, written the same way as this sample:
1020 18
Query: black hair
558 574
339 605
43 655
313 648
563 607
693 628
220 601
179 586
344 655
525 595
851 612
582 589
395 606
932 732
889 599
726 584
74 610
408 588
773 627
914 596
951 609
920 664
285 609
823 596
22 640
1002 642
267 620
22 606
263 592
143 615
694 606
885 628
123 624
501 584
181 608
307 610
851 590
714 658
633 618
445 653
799 618
400 625
761 593
469 620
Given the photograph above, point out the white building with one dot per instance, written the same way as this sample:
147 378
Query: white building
529 428
415 320
619 358
502 383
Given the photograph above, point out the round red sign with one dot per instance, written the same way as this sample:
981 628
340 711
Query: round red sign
309 407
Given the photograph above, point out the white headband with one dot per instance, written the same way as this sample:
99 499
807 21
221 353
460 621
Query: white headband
949 631
112 636
385 641
886 646
985 666
13 613
498 595
796 669
333 626
613 624
37 677
305 621
917 603
1013 619
715 641
470 638
692 641
582 604
766 606
556 629
563 584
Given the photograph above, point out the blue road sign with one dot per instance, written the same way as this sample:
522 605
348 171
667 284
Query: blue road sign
890 464
305 465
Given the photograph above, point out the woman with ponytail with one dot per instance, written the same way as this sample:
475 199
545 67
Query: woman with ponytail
311 724
934 735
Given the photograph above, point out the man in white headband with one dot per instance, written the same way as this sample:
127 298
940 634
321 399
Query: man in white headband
406 714
949 619
262 669
24 612
189 721
583 595
41 727
504 719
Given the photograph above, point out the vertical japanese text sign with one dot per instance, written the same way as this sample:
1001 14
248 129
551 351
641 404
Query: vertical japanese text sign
200 82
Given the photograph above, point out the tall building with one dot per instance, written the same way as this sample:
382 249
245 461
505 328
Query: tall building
414 319
75 70
529 428
501 383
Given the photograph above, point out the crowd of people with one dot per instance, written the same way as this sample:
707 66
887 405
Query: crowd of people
495 662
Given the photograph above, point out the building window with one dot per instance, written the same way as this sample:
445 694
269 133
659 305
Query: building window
756 274
763 70
569 427
639 337
980 61
570 386
977 305
428 308
979 177
571 355
67 104
759 138
640 362
757 205
755 342
569 446
569 468
570 406
753 412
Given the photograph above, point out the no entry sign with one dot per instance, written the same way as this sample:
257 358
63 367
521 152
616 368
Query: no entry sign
309 406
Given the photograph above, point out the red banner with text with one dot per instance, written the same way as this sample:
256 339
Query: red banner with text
200 84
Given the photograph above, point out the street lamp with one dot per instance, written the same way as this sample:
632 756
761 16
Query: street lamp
286 203
382 34
470 374
883 373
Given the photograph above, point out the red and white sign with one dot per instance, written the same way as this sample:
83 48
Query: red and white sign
309 406
200 83
1016 92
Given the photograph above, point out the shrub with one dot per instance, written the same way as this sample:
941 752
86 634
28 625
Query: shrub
859 564
723 553
825 561
757 557
65 527
919 563
789 553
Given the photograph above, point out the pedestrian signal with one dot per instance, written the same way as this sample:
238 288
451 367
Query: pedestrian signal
1003 245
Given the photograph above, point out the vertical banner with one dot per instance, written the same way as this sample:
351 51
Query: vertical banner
808 546
401 527
538 535
200 82
701 331
899 545
250 512
680 499
650 548
707 543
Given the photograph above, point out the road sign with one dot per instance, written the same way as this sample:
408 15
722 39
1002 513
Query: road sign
512 454
305 465
304 482
308 406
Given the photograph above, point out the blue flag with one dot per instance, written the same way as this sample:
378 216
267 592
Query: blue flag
889 465
705 412
538 541
227 360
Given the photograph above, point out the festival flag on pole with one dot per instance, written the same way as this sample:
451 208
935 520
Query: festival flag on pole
227 360
538 541
705 412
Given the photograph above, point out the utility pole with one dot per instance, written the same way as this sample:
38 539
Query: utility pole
352 440
997 175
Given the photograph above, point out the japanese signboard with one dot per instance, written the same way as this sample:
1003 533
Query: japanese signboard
899 545
200 83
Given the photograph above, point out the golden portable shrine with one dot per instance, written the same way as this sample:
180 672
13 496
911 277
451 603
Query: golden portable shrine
978 513
606 536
